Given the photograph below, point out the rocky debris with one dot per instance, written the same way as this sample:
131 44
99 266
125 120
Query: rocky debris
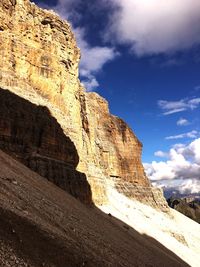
188 206
41 225
142 194
8 258
39 62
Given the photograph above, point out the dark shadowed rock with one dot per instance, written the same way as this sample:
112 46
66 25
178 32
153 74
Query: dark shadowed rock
31 135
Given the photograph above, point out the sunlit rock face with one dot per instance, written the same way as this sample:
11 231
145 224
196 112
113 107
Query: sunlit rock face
39 61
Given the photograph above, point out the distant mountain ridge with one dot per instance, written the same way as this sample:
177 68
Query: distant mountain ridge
189 206
168 193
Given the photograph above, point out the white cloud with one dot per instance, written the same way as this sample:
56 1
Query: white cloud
182 122
154 26
192 134
90 84
92 60
181 171
190 187
179 187
161 154
193 150
194 103
171 107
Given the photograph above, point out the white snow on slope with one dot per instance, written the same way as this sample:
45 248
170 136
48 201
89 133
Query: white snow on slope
175 231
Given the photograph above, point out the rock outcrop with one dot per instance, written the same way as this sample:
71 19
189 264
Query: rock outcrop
31 135
39 62
190 207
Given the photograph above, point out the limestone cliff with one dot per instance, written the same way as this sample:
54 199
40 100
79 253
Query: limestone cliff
39 62
31 135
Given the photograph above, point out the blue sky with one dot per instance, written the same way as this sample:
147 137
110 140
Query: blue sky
144 58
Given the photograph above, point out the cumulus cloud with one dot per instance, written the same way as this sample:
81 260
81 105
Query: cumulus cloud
90 83
182 122
192 134
190 187
181 171
154 26
191 151
171 107
180 188
93 59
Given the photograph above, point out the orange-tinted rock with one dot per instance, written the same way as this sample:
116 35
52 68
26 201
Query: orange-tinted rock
39 61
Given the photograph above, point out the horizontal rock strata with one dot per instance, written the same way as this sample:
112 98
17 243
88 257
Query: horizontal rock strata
31 135
39 62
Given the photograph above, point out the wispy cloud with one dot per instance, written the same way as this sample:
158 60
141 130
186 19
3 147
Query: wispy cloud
192 134
161 154
182 122
67 9
171 62
90 83
154 26
197 88
171 107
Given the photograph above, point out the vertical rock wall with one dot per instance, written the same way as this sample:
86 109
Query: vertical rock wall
32 136
39 61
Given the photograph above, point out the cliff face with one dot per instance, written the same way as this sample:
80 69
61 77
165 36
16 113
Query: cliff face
32 136
39 62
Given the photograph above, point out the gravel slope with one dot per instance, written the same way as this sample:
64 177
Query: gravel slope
41 225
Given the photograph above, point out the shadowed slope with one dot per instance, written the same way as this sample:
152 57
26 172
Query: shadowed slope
41 225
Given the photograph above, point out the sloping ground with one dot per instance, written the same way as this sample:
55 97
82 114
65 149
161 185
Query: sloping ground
41 225
175 231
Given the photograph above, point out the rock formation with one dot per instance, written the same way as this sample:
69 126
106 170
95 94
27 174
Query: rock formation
39 62
190 207
31 135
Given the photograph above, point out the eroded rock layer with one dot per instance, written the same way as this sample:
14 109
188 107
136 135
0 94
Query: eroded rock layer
39 62
31 135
